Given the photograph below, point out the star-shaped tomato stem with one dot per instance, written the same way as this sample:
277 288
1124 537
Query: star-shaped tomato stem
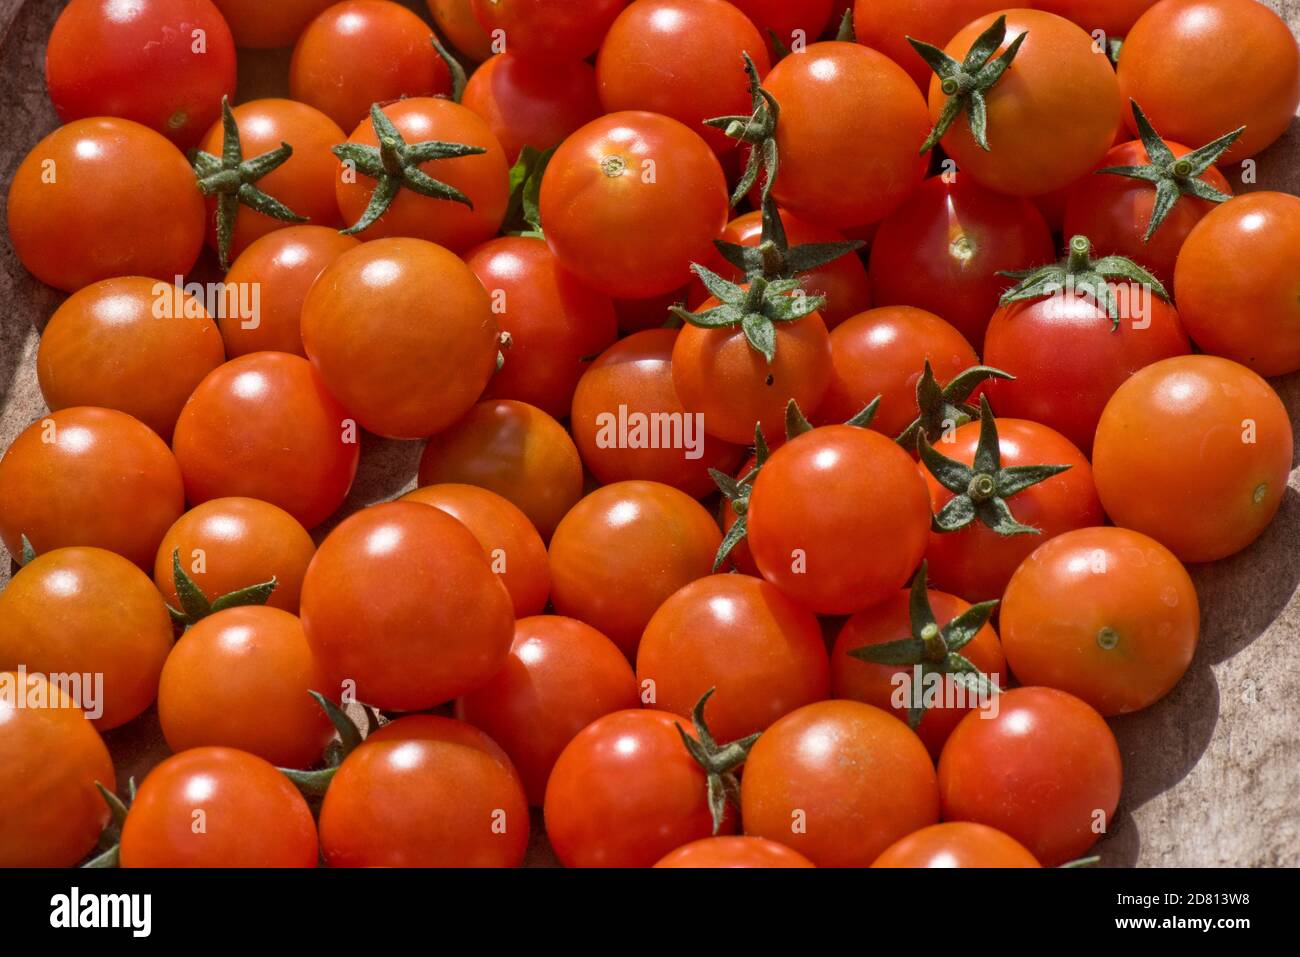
758 130
195 605
943 408
718 761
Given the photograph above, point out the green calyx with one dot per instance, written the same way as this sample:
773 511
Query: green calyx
195 605
523 211
28 553
394 165
845 32
718 761
773 258
458 77
758 129
111 838
966 84
980 491
1081 274
945 407
1174 177
230 179
935 648
756 308
315 783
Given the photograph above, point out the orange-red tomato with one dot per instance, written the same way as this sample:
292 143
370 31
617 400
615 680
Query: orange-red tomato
258 25
1194 451
548 29
51 813
456 21
838 781
956 844
160 339
733 850
101 198
1113 17
793 23
560 677
87 476
885 25
88 612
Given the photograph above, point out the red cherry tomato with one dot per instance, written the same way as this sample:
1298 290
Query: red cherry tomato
733 851
793 23
1114 17
456 21
258 25
638 315
956 844
885 25
548 29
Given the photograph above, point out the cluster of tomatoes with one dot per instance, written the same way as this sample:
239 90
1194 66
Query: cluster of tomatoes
716 516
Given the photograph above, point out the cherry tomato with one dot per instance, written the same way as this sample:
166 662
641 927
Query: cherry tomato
227 544
251 815
1202 68
425 791
513 547
51 757
88 476
483 177
560 677
794 23
362 52
258 25
263 426
515 450
763 653
1237 285
1113 17
878 685
849 136
555 323
733 851
402 333
628 422
1045 771
944 248
1194 451
638 315
838 781
163 63
956 844
456 21
882 352
838 519
161 341
625 792
281 266
122 203
885 25
532 103
630 200
86 611
239 678
548 29
418 577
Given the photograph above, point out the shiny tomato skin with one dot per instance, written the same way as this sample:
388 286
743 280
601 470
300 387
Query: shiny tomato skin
1131 626
1212 437
50 759
161 341
684 59
873 684
635 375
87 611
885 25
838 519
838 781
163 63
956 844
1202 68
622 550
361 52
264 426
1068 358
733 850
483 177
850 134
511 543
87 476
402 332
560 677
123 203
763 653
419 578
555 323
630 200
944 248
1239 295
257 25
456 22
252 815
226 544
281 266
1042 772
548 29
304 182
514 449
240 679
882 352
625 792
975 563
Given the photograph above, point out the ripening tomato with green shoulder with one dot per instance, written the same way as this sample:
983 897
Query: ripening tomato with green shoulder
51 757
530 102
253 816
161 340
261 26
733 850
456 21
548 29
87 476
885 25
956 844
